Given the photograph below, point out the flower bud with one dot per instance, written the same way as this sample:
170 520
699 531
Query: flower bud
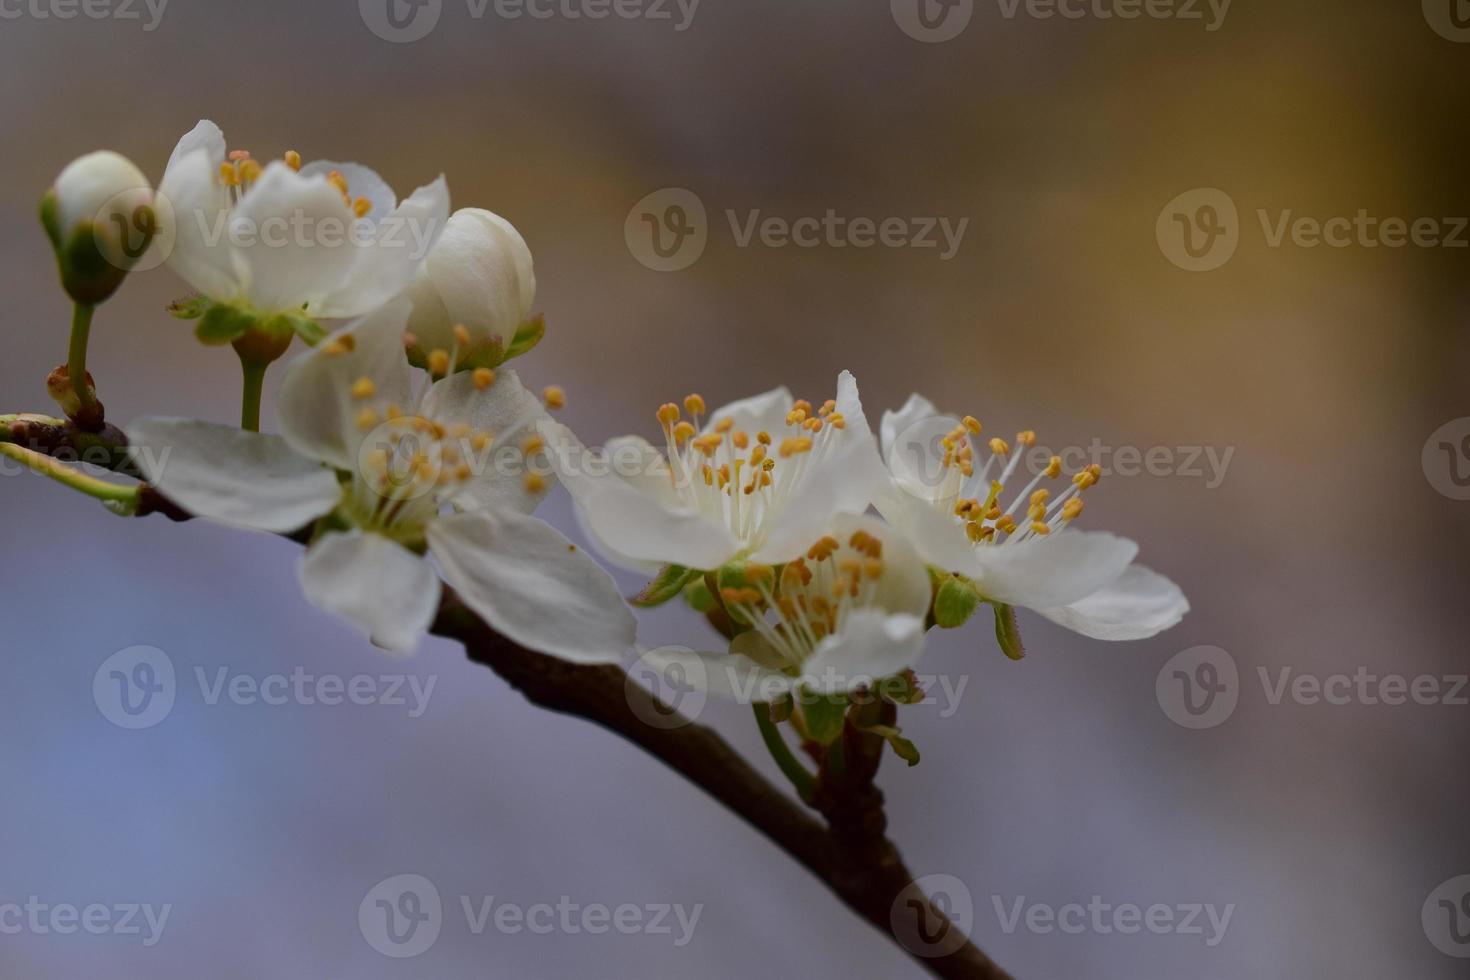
479 275
101 220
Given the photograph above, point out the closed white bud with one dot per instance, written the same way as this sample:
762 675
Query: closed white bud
101 217
479 276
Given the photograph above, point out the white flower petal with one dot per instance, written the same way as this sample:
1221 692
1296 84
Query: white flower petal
241 478
294 242
510 411
383 267
871 645
1054 571
200 206
915 410
362 182
204 136
937 536
633 524
376 583
760 413
530 583
729 675
1139 604
480 275
315 407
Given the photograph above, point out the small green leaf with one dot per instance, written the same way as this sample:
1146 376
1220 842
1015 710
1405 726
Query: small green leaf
1007 633
902 747
955 602
666 586
527 337
824 716
698 595
222 324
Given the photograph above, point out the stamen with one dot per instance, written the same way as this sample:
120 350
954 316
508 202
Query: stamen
483 378
554 397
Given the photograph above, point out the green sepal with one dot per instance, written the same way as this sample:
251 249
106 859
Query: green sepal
955 602
190 307
667 585
300 324
51 219
221 324
902 747
824 717
901 689
527 337
1007 632
698 596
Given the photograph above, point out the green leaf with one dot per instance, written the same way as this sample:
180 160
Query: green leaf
670 581
1007 633
955 602
902 747
222 324
527 337
824 716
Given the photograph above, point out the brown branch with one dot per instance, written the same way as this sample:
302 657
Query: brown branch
851 854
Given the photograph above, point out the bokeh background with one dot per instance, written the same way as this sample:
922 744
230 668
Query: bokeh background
1325 548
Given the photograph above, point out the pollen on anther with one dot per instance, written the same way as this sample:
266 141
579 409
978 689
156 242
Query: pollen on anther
483 378
293 160
363 388
361 207
366 419
999 446
461 335
535 483
439 362
694 405
554 397
972 425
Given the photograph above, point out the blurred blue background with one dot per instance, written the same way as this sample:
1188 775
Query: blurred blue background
1325 548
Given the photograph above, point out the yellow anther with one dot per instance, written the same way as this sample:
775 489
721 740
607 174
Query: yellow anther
366 419
873 569
694 405
1040 497
249 171
1072 509
481 441
758 456
803 406
338 346
532 446
1036 512
828 407
864 543
668 414
1054 468
999 446
724 425
293 160
438 363
361 207
461 335
1007 524
709 475
229 174
338 181
741 439
796 572
824 549
554 396
483 378
972 425
813 425
1027 438
837 420
764 438
683 432
795 447
363 388
1041 527
393 412
535 483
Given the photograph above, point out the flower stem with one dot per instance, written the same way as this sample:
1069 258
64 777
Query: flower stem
254 376
800 777
66 475
76 357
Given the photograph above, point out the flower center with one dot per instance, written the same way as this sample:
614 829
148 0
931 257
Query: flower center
740 478
814 597
240 172
975 493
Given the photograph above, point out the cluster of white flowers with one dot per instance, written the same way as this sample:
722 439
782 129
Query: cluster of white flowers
758 513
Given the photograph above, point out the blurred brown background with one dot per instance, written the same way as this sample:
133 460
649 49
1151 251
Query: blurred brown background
1325 548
